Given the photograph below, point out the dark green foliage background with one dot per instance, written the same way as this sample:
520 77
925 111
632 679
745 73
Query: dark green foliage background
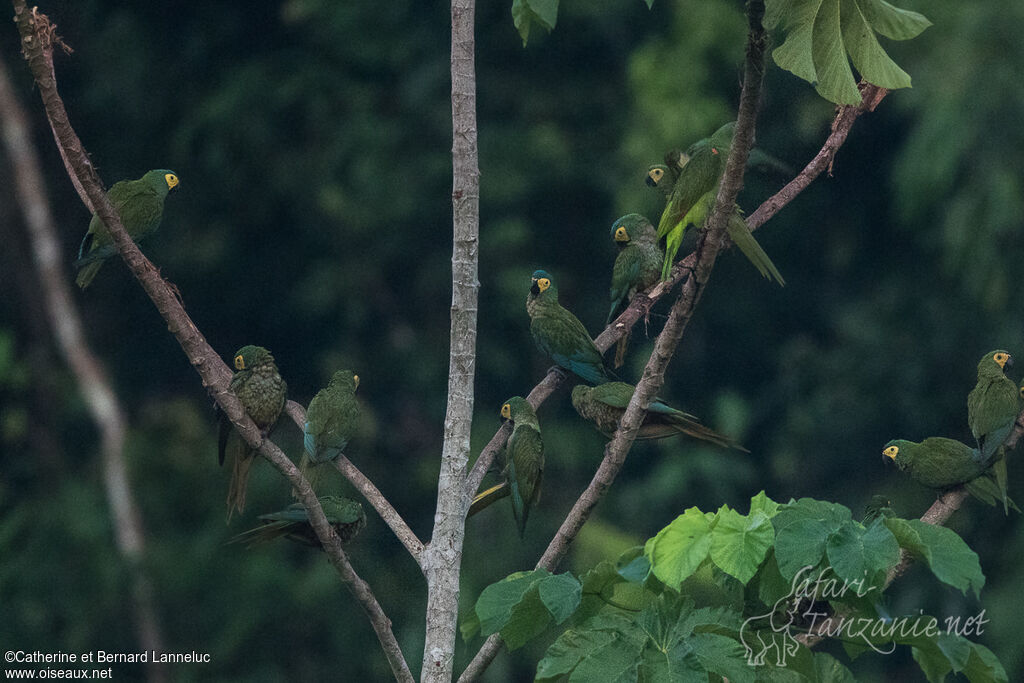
313 143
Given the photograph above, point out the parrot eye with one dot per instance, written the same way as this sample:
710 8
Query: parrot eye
1022 392
239 362
1001 358
506 411
171 180
355 378
543 283
655 174
891 451
621 235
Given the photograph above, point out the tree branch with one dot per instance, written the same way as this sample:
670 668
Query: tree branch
95 385
442 558
37 39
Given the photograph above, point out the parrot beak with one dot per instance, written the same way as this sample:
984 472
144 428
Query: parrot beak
650 182
1009 361
534 289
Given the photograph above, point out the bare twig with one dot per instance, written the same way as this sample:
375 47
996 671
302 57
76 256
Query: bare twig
92 378
36 32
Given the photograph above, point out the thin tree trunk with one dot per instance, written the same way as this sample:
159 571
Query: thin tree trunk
92 378
443 557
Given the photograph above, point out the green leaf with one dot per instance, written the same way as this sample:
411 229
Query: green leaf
983 667
604 648
835 79
794 55
828 669
868 57
861 557
799 545
762 503
721 655
544 13
521 606
945 553
739 543
893 22
678 549
822 36
771 585
560 595
469 626
831 514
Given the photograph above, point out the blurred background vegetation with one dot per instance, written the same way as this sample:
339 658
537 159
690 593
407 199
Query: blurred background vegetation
313 143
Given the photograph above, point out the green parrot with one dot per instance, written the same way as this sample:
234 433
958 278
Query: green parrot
940 463
345 515
140 204
691 197
637 267
524 464
993 404
560 334
605 404
638 264
331 419
259 386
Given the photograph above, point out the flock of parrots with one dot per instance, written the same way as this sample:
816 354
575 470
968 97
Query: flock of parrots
689 182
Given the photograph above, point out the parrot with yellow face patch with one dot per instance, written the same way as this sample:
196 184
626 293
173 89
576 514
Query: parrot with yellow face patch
140 204
560 334
940 463
524 464
691 190
259 386
993 404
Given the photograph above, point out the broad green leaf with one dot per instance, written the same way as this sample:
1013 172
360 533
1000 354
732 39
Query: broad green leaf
831 514
569 649
529 618
604 588
945 553
893 22
675 665
739 543
835 79
799 545
794 55
723 656
983 667
772 586
720 620
636 570
762 503
544 13
868 57
860 557
496 602
604 648
678 549
560 595
828 669
822 36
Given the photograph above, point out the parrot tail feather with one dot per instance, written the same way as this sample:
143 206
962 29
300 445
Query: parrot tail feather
741 237
239 483
486 498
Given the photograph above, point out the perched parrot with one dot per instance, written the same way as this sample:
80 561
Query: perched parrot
604 405
940 463
691 197
345 515
638 264
140 204
524 464
262 391
992 405
331 420
560 334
